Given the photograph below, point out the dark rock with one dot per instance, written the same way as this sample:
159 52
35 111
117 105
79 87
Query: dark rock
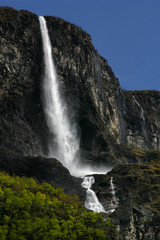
141 116
22 122
43 170
137 189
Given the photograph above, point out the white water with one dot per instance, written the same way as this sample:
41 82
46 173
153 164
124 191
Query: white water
55 109
142 111
144 128
67 143
114 200
91 202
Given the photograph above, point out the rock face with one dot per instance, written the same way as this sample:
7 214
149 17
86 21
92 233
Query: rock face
137 189
106 116
22 122
141 116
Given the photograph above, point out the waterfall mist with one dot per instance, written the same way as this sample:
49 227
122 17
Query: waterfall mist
65 134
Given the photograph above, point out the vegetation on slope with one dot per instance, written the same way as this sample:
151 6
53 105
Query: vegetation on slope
7 13
29 210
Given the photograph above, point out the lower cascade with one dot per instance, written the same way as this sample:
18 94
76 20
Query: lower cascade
65 134
91 202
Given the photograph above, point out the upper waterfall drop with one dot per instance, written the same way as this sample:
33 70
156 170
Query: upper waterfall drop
67 143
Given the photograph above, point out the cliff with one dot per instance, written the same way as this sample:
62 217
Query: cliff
106 115
115 126
137 189
21 111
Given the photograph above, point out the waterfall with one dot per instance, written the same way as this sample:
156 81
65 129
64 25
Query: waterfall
67 143
142 111
56 110
114 201
91 202
144 128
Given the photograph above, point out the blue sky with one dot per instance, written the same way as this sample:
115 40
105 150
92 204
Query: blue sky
125 32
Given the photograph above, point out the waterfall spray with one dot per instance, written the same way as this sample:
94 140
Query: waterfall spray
65 135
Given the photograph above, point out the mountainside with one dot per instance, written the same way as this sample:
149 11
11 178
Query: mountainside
137 189
115 126
106 115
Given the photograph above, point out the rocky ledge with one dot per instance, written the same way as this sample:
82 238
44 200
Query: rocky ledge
43 170
137 189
